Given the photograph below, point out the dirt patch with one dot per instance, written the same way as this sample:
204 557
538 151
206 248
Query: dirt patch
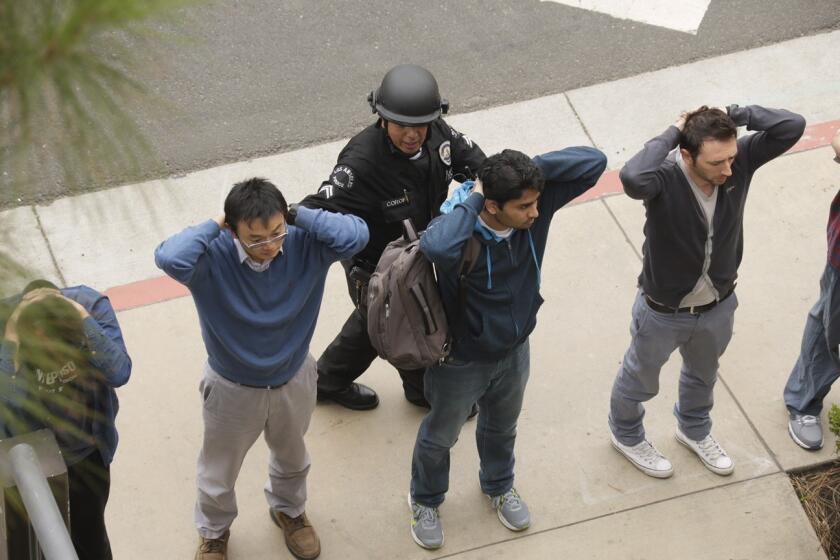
819 492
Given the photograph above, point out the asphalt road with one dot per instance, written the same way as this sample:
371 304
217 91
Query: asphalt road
238 80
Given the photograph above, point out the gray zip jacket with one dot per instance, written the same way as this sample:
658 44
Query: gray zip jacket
675 226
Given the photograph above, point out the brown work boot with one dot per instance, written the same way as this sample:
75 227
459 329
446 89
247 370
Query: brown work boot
301 539
212 549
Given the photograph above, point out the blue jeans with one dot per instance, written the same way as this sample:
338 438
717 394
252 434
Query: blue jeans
452 388
818 364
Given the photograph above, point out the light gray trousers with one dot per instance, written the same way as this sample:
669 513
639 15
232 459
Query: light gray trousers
234 417
701 339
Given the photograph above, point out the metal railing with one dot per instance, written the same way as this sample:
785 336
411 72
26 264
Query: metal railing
23 467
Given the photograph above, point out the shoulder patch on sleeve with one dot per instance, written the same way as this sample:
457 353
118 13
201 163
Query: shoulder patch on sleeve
342 177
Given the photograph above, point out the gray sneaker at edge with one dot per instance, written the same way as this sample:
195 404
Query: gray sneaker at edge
426 528
806 431
512 510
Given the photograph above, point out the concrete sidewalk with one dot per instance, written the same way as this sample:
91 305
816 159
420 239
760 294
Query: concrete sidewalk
586 501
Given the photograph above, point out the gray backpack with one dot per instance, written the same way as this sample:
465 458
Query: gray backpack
406 323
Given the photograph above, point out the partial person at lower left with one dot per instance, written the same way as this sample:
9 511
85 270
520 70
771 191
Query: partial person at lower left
61 358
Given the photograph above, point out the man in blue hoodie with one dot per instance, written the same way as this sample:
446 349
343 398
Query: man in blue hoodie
509 209
257 277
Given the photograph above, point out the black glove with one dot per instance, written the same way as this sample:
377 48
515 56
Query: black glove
739 115
291 213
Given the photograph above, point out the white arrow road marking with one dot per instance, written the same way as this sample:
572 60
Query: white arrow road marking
682 15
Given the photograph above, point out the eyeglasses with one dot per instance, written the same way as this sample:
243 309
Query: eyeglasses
269 241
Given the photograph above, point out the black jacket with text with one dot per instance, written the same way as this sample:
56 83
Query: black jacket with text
375 181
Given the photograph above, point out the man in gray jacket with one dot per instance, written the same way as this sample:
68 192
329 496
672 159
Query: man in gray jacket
693 179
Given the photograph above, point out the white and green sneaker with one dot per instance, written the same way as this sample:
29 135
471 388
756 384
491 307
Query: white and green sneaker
512 510
426 528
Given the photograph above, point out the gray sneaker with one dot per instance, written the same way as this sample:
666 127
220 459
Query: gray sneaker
426 528
512 510
806 431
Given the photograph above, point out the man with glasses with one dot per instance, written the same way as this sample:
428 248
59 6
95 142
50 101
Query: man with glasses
257 277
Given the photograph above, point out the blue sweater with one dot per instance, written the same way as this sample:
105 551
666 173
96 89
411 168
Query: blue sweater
257 326
110 358
502 291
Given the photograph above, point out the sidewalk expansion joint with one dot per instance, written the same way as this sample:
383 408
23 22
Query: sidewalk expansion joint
620 228
530 534
580 120
751 424
49 247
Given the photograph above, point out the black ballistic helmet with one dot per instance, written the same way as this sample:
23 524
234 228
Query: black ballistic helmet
408 96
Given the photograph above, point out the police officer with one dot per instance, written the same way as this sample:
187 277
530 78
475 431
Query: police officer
399 167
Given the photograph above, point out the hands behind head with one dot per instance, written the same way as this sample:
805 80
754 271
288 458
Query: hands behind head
220 220
37 295
30 298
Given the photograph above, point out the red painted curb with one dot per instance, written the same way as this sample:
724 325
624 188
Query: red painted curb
816 136
156 290
145 292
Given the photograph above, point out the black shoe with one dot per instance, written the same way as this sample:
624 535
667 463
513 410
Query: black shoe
421 402
354 397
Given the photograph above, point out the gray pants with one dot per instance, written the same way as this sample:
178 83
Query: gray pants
818 365
234 417
701 339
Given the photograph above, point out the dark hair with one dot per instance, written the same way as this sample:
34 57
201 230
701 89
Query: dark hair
254 199
507 175
54 323
706 124
38 284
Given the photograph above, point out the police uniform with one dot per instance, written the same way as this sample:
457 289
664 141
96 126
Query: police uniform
374 180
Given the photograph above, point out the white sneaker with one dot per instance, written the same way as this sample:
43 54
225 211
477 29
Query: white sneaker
645 457
710 452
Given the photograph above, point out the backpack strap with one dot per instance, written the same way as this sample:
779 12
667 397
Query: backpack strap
409 231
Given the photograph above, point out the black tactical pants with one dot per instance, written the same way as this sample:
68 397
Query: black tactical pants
350 354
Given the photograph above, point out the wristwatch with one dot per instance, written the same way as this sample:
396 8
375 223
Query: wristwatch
291 213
